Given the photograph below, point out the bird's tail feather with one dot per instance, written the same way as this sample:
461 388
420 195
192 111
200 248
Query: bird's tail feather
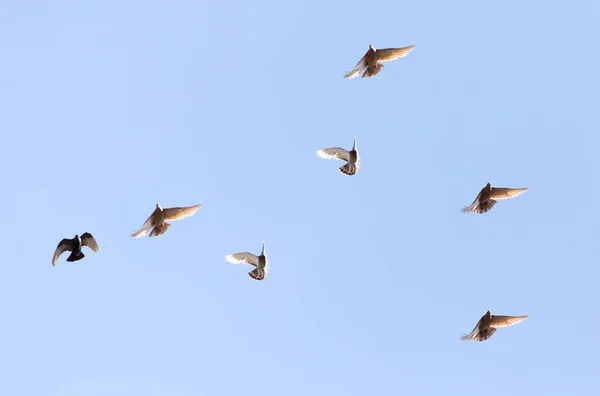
257 274
485 207
75 256
372 71
348 169
161 229
484 335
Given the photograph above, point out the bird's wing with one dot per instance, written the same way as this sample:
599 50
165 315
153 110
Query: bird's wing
473 333
334 152
145 227
390 54
179 213
469 208
504 321
242 258
64 245
506 193
360 66
467 337
88 240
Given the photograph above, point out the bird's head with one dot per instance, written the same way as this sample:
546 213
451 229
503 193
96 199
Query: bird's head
159 207
354 146
372 48
263 249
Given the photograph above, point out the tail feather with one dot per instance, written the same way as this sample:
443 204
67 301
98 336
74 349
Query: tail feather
484 335
348 169
257 274
371 72
161 229
75 256
484 207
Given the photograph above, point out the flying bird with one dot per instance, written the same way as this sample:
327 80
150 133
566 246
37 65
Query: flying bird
486 199
486 327
351 157
261 263
158 219
373 58
74 246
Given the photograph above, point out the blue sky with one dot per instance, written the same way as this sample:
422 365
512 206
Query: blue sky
107 108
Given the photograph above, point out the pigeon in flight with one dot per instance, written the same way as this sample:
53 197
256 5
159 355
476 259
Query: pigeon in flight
373 58
488 195
74 246
351 157
261 263
486 327
158 220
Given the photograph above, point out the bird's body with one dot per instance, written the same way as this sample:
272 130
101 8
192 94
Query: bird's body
74 246
486 199
157 221
486 327
260 262
371 61
351 157
76 254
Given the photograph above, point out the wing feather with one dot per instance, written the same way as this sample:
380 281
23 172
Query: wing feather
172 214
242 258
334 152
360 66
63 246
504 321
390 54
471 207
506 193
88 240
148 224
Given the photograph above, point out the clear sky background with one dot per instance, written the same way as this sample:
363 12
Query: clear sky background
109 107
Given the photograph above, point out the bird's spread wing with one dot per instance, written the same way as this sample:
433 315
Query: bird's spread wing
88 240
63 246
360 66
504 321
469 208
334 152
506 193
473 333
390 54
179 213
467 337
145 227
243 258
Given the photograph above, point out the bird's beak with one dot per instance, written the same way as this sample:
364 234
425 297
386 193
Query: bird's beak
263 249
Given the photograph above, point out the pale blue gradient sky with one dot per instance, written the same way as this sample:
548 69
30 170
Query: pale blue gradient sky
107 108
